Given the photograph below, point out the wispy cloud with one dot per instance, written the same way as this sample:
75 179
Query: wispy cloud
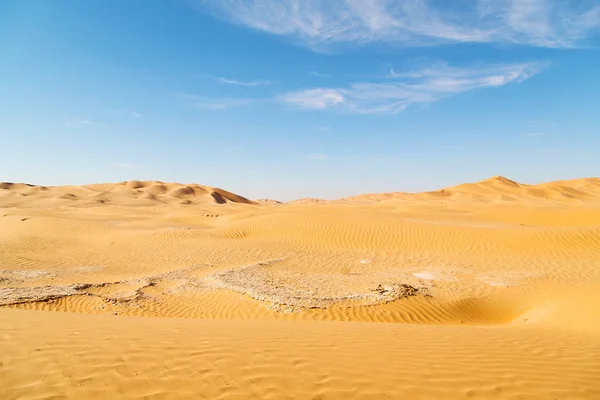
124 165
452 147
540 123
390 94
78 123
319 74
537 128
346 157
224 104
316 99
401 90
136 115
242 83
534 134
318 157
220 103
317 23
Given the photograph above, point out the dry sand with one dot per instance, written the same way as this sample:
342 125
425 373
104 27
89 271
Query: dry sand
485 290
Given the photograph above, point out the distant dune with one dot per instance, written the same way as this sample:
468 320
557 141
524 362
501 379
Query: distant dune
499 188
306 200
145 193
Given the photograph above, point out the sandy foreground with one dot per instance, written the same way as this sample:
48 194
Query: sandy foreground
159 290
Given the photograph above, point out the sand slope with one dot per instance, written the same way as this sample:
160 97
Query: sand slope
499 188
141 193
484 290
82 356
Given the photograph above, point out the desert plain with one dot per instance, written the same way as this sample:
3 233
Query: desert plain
146 289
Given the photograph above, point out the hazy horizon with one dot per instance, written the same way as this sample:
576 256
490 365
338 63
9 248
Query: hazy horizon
306 197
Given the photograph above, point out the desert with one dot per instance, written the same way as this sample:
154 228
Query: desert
300 200
147 289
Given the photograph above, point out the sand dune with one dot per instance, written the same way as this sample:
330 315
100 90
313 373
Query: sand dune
483 290
501 189
124 193
494 189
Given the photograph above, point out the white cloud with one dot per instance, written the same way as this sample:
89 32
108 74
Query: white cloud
591 19
534 134
78 123
319 74
317 23
223 103
540 123
242 83
318 157
136 115
401 90
316 99
389 94
537 128
124 165
452 147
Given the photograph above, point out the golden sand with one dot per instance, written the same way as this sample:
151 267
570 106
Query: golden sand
484 290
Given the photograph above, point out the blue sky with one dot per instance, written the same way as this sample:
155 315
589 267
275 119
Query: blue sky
288 99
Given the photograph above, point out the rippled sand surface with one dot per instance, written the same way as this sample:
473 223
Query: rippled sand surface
162 290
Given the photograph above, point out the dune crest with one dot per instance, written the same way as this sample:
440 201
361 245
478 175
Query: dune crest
499 189
132 192
492 190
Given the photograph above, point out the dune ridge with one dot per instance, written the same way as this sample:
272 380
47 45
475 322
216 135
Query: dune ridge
132 192
499 188
495 189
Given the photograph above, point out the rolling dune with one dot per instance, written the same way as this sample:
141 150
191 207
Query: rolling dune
482 290
123 193
499 188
